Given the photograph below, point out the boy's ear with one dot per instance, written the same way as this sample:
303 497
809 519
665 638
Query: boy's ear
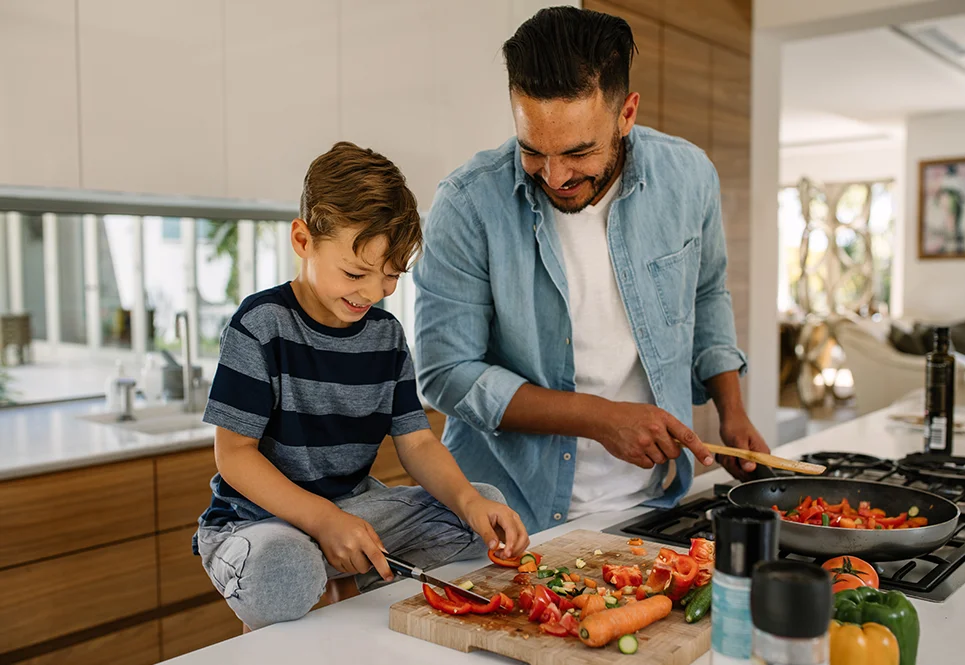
301 238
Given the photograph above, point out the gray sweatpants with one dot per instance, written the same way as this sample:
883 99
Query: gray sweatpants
270 571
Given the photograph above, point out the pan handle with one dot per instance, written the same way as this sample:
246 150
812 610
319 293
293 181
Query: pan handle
762 472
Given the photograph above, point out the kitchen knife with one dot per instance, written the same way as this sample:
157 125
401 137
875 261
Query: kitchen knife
406 569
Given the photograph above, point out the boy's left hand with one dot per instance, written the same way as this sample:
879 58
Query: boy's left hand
495 523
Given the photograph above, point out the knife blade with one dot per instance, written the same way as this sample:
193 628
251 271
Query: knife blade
406 569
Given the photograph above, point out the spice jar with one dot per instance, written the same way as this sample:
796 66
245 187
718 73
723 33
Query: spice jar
791 605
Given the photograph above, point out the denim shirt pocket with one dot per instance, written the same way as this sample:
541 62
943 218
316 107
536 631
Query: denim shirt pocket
675 280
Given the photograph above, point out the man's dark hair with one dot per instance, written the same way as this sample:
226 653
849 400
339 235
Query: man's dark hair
566 53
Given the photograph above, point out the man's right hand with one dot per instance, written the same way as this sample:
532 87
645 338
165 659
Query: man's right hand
350 544
643 434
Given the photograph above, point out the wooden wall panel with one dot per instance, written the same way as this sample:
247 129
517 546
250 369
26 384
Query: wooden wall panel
645 73
649 8
687 88
138 645
725 22
182 487
198 628
59 596
51 514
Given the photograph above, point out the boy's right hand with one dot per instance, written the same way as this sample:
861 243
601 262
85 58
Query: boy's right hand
351 545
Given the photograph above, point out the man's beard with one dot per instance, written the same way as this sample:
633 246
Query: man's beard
598 183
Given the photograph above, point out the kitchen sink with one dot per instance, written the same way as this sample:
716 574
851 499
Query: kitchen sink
156 420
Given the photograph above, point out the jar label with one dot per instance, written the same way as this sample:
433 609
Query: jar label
731 624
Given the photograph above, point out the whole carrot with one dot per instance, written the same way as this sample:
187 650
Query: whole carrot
603 627
594 604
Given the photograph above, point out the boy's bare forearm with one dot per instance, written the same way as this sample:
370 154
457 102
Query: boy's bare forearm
250 472
432 465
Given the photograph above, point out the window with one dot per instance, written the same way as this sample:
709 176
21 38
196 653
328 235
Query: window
217 279
855 238
34 275
117 278
165 287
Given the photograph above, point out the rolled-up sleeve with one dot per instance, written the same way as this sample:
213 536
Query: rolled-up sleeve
454 310
715 338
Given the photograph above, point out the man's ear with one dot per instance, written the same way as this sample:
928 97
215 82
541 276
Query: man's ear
628 113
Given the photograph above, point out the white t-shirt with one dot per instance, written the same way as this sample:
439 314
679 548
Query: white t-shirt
606 359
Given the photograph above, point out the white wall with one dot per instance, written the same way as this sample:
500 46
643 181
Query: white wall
934 289
841 163
234 98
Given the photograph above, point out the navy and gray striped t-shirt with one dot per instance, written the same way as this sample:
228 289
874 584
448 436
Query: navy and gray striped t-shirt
320 400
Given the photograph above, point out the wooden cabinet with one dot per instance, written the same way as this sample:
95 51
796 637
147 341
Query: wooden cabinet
180 573
64 512
138 645
54 597
183 491
196 628
724 22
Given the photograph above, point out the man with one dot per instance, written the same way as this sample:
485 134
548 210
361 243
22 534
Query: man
571 301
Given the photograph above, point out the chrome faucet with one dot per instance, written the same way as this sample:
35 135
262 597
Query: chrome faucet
187 368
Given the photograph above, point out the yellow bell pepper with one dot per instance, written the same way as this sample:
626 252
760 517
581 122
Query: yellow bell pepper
867 644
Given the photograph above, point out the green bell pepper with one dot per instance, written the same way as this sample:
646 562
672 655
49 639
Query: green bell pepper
888 608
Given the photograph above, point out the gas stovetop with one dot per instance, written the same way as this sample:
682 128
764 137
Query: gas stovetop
934 576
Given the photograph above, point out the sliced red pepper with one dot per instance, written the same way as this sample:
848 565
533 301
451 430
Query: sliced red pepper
805 505
684 573
444 604
475 608
506 603
571 624
703 552
892 522
621 576
499 561
554 629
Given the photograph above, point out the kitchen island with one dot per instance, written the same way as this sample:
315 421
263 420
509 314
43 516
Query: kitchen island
356 630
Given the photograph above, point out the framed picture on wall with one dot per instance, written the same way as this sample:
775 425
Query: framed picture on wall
941 209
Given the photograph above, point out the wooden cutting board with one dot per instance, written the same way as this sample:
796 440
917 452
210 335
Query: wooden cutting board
671 641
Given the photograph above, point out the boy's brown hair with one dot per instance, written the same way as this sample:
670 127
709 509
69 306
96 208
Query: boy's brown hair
358 187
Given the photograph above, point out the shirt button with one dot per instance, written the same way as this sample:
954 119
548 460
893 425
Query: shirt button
567 456
626 275
557 516
534 227
567 340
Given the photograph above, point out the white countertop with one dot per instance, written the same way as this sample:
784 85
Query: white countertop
52 437
356 630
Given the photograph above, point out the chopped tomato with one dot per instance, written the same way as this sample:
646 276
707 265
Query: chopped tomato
526 598
549 594
554 629
499 561
506 603
522 578
684 573
566 604
476 608
540 603
551 614
444 604
571 624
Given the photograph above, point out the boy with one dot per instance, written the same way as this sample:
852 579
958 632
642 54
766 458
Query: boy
311 378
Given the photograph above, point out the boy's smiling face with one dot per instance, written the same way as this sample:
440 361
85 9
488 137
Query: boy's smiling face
336 286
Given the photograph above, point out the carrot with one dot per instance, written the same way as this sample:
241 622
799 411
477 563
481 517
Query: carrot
593 605
566 578
618 594
574 578
580 601
638 551
527 567
590 583
603 627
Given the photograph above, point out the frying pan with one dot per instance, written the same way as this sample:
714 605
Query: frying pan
873 545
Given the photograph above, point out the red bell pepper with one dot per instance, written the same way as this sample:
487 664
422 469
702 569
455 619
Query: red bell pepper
684 573
444 604
476 608
506 603
499 561
621 576
703 552
892 522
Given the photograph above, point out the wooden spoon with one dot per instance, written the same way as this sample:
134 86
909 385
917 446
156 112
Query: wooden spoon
772 461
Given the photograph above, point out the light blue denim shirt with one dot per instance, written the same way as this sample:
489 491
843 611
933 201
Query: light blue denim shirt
492 308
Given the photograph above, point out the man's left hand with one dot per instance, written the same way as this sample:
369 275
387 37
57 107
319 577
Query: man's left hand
737 431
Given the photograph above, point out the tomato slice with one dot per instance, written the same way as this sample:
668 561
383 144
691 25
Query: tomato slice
571 624
551 614
444 604
526 598
549 594
475 608
566 604
554 629
540 603
506 563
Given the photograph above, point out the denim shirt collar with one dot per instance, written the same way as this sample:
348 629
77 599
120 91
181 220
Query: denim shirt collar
633 172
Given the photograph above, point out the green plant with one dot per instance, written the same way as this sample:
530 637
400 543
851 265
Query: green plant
224 234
